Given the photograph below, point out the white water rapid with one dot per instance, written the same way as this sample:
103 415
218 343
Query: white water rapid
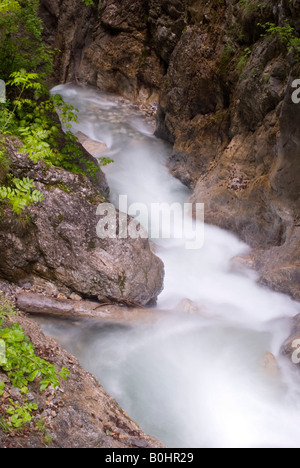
190 379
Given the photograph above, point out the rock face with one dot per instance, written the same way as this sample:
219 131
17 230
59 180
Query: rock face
68 27
58 242
112 52
225 103
227 107
80 413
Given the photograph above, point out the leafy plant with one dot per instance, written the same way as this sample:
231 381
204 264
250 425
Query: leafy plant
21 44
4 162
286 35
22 81
251 5
7 309
2 361
9 5
30 112
243 59
22 366
20 415
33 120
40 425
4 426
23 194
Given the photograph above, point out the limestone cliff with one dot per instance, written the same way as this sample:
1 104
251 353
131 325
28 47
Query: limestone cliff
224 87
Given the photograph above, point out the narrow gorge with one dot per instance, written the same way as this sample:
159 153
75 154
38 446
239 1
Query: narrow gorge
224 90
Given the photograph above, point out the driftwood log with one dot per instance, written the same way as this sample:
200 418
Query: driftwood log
37 304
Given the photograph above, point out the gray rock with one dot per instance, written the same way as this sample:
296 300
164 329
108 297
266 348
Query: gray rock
58 242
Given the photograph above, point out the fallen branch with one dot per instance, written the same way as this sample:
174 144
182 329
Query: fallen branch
37 304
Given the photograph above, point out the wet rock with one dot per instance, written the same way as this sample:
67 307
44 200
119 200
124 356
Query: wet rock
269 365
59 242
187 306
95 148
75 297
42 286
279 267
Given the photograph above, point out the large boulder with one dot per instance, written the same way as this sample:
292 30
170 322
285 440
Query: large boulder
57 241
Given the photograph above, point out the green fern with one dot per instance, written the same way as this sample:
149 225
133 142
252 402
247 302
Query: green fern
20 196
31 120
9 5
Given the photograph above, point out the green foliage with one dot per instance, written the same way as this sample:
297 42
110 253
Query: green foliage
251 5
22 366
21 195
34 120
243 59
4 162
40 425
286 34
21 43
22 82
7 309
4 426
20 414
30 112
226 58
9 5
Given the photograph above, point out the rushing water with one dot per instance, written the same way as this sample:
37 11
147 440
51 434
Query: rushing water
190 379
